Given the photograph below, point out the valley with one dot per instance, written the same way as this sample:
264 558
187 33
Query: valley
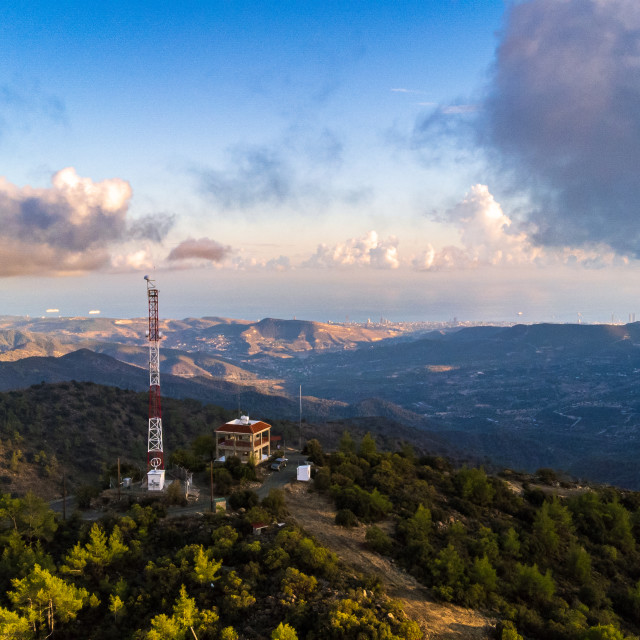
522 396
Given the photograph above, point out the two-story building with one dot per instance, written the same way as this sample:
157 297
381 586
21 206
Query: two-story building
244 438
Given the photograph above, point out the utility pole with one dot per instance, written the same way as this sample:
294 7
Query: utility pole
300 424
118 479
211 483
64 496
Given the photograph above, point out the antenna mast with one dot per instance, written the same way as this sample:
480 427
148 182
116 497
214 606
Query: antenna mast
155 452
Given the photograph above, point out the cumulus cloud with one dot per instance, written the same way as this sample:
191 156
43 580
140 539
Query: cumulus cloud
69 227
487 238
278 264
368 250
201 249
484 234
250 263
563 114
133 261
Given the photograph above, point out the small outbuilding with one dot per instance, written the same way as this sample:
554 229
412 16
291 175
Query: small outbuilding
304 473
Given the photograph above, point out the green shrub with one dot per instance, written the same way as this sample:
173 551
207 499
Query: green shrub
377 540
346 518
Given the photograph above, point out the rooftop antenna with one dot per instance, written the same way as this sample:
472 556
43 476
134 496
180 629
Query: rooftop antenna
155 452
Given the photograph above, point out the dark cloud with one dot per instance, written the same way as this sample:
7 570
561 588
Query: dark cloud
257 177
202 249
266 178
153 227
446 134
563 117
24 105
327 149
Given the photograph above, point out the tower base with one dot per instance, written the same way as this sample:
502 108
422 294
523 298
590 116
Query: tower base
155 480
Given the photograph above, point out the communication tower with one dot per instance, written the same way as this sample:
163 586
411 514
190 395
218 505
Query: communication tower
155 453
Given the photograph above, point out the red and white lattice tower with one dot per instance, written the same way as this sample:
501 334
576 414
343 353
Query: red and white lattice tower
155 452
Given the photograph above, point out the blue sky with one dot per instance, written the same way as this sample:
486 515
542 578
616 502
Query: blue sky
415 160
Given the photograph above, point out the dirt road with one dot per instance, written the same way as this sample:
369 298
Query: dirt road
438 621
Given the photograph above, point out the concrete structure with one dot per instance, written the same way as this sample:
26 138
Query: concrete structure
244 438
155 480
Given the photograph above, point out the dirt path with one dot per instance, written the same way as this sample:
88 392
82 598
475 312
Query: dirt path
438 621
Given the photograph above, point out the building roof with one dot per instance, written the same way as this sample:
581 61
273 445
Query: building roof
244 425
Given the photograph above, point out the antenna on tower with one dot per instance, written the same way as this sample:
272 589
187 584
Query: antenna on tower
155 452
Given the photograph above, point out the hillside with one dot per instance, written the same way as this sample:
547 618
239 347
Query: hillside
550 558
465 554
86 366
81 428
136 574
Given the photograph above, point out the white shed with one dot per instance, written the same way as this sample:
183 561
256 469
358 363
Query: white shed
304 473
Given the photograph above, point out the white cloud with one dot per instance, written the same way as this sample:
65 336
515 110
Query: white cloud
456 109
251 263
486 239
368 250
412 91
134 261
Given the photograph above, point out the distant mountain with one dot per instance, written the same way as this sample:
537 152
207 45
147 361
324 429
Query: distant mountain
86 366
178 363
16 344
221 336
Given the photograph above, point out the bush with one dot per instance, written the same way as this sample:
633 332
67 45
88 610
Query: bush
377 540
275 503
322 480
243 499
314 452
346 518
367 506
240 471
175 494
532 585
84 494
